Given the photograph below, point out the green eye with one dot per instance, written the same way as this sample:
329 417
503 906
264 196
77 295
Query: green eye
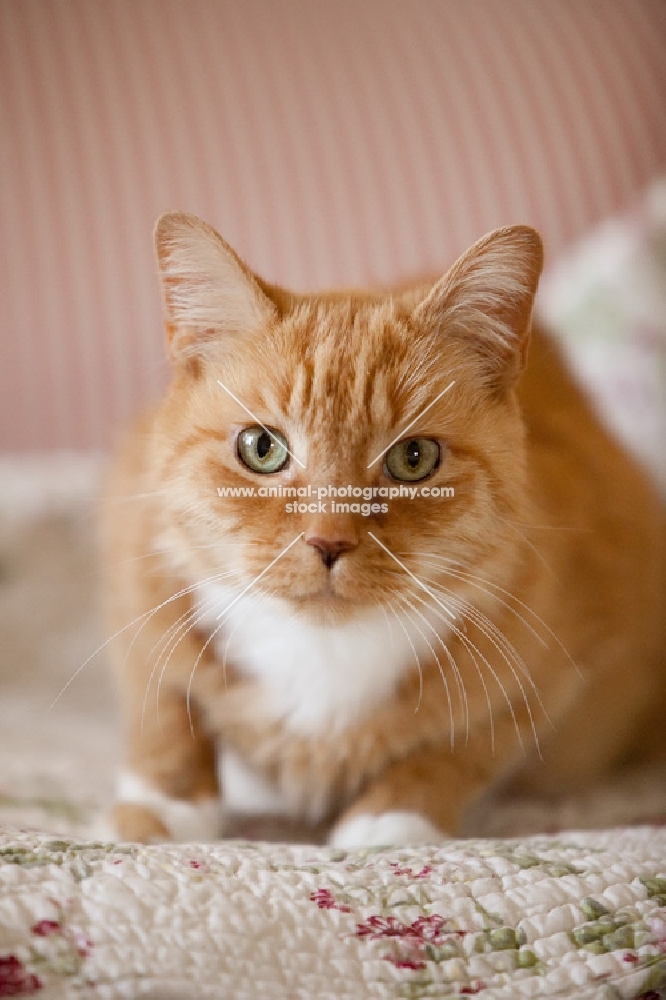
412 459
261 451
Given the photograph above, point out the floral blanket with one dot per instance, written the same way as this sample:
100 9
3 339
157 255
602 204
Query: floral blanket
580 917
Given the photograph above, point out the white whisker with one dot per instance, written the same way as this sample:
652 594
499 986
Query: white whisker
505 648
530 544
459 575
194 618
388 625
472 650
146 614
264 571
416 655
157 552
135 496
211 637
166 639
466 576
410 574
404 600
460 684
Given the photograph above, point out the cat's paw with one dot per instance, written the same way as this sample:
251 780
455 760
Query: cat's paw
130 822
143 814
389 829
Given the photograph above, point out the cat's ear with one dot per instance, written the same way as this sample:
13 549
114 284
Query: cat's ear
208 292
486 299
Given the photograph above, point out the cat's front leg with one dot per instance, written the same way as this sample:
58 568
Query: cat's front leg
168 788
424 796
416 800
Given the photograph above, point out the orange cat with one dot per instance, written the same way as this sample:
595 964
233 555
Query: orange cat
486 604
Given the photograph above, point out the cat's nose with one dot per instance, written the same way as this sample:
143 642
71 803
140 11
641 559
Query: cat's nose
330 549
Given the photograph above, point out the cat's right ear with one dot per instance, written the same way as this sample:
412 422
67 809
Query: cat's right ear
485 300
209 294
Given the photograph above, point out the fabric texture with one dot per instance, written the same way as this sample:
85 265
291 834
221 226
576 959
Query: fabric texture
581 917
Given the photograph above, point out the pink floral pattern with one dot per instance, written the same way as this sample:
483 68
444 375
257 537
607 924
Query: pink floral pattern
419 945
15 979
412 924
325 901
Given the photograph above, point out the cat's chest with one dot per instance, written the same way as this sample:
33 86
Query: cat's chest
317 676
316 680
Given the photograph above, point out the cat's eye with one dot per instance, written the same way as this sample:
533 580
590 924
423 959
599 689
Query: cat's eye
412 459
261 451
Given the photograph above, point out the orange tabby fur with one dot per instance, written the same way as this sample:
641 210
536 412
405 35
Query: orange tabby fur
553 666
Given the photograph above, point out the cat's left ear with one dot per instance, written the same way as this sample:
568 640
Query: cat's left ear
486 300
209 294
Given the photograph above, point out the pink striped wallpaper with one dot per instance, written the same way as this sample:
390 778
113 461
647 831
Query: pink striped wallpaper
328 140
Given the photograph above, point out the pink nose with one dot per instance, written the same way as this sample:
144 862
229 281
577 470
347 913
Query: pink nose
330 549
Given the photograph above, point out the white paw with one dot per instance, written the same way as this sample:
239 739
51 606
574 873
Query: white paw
102 829
188 822
389 829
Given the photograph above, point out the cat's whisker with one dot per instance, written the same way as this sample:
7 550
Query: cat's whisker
416 655
165 640
135 496
462 692
157 552
404 603
467 576
459 576
388 625
181 593
386 591
497 637
503 688
218 628
472 650
530 544
412 575
147 615
506 650
460 684
155 665
265 570
168 637
404 600
188 694
175 628
193 619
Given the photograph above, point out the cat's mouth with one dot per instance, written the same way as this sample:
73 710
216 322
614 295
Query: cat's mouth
327 595
328 592
326 607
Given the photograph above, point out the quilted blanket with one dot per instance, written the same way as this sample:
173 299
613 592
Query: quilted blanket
581 917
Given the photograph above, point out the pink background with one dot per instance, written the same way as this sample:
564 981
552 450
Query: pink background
330 142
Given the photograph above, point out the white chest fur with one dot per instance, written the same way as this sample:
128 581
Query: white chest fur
318 676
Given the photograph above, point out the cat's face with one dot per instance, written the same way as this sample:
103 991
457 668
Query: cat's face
279 393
